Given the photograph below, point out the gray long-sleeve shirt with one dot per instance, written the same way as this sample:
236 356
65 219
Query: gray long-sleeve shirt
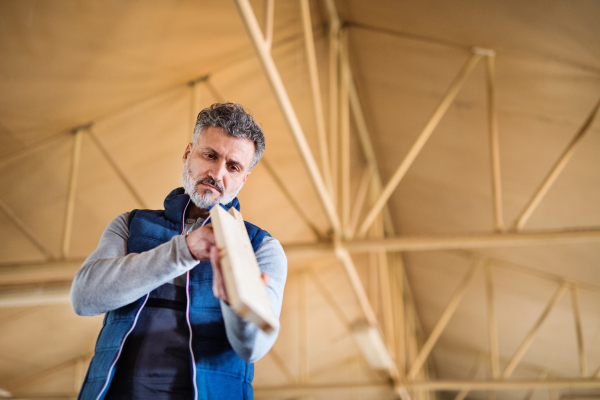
110 278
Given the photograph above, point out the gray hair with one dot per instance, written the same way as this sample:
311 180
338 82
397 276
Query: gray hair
234 120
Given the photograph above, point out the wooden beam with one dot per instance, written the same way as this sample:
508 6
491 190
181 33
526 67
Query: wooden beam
322 288
291 198
386 300
399 312
556 170
359 201
303 328
272 74
492 329
367 145
28 274
434 385
74 171
34 297
420 142
297 391
193 109
532 332
274 175
580 344
494 147
14 156
357 286
444 319
281 365
512 384
218 96
334 61
344 136
118 170
471 376
26 231
363 300
428 243
315 87
269 17
531 391
522 269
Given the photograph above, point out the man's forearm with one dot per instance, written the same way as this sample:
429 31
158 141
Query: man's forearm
110 278
248 341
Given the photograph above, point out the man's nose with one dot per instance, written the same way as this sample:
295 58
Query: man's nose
218 171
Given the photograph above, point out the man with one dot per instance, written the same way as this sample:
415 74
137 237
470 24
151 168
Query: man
168 332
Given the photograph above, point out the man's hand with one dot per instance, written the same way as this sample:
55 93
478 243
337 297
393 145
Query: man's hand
200 242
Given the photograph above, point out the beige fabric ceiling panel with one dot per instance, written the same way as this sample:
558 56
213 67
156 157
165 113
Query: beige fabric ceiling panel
125 67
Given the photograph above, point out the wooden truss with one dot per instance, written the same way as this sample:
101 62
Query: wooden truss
331 180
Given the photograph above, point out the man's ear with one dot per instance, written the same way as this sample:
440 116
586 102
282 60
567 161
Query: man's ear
187 152
247 175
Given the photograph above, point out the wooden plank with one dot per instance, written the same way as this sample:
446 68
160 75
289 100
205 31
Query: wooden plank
241 274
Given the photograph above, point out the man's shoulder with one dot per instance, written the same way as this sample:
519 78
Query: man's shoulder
256 234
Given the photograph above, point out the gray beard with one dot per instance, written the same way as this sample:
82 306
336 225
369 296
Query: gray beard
203 200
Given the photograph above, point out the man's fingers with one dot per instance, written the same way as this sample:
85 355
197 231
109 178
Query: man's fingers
219 289
265 278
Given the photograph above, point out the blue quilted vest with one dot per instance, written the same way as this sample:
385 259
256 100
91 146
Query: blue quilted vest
217 371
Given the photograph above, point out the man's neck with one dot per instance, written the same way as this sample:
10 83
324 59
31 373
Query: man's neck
195 212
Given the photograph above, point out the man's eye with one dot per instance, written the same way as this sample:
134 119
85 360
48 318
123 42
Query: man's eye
209 156
234 168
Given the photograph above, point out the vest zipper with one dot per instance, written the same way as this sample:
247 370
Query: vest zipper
187 310
121 349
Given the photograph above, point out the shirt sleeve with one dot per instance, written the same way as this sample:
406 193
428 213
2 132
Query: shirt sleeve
110 278
248 341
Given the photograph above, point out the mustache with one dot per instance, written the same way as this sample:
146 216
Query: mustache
210 181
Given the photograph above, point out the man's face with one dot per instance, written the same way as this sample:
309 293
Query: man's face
216 167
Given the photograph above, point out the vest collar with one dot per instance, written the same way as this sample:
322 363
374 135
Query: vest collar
176 201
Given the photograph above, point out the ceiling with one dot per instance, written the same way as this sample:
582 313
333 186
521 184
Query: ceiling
125 67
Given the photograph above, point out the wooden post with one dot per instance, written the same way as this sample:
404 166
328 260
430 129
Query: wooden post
334 49
494 147
76 155
531 391
386 300
556 170
471 376
269 16
420 142
218 96
398 272
281 365
359 201
113 163
531 334
444 319
492 330
580 346
303 327
316 92
344 137
193 108
367 145
357 286
291 198
264 55
329 298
